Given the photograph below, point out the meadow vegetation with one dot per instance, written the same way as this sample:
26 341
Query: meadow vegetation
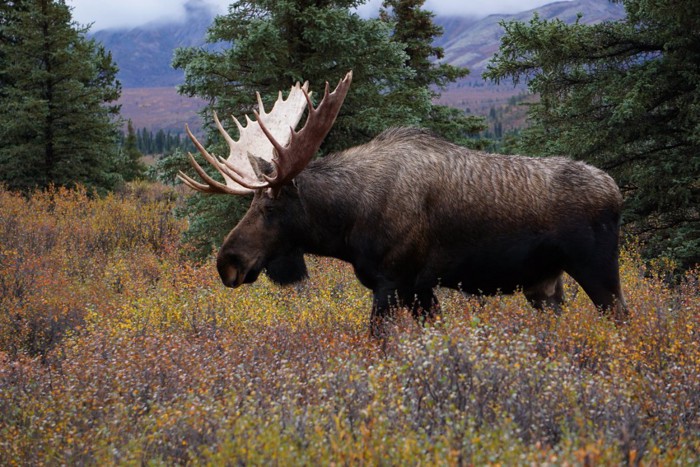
114 348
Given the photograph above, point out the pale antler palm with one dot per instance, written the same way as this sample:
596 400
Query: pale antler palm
272 138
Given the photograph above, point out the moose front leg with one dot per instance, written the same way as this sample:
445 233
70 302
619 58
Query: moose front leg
423 304
384 303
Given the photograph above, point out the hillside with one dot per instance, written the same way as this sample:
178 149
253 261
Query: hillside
471 43
144 56
160 108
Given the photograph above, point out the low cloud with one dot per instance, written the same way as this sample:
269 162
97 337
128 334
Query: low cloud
110 14
465 8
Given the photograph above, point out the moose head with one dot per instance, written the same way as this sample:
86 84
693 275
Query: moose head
267 157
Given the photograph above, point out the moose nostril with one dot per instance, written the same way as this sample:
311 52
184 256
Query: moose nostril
231 281
228 274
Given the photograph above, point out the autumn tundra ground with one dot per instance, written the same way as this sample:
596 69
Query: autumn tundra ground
116 348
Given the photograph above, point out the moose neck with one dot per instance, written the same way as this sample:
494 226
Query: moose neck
328 216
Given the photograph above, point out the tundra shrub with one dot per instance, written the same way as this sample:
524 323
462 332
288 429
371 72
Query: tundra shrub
148 359
59 250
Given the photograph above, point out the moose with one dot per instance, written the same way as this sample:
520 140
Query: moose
411 212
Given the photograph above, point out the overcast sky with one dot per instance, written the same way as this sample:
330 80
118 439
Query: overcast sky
105 14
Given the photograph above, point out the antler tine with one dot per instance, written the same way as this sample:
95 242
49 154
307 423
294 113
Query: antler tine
291 159
195 185
230 170
261 106
212 186
229 141
307 96
287 150
238 123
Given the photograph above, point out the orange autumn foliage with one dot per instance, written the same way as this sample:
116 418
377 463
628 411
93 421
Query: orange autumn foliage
116 349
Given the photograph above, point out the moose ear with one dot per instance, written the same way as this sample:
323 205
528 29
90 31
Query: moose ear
260 166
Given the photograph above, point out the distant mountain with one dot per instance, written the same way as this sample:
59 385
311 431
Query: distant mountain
144 54
471 43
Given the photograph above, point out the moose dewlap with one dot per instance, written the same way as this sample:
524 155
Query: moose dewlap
411 211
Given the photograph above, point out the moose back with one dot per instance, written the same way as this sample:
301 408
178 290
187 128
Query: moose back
411 211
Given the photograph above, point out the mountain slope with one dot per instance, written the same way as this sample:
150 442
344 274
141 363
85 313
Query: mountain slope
472 43
144 54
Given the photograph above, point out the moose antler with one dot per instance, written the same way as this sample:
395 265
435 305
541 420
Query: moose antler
272 138
239 175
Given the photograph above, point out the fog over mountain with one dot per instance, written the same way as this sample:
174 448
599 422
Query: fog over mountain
128 14
144 53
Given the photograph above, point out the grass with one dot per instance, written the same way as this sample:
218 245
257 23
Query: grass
115 349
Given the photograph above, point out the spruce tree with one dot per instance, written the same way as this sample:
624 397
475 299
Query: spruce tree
160 141
413 27
268 45
56 122
624 95
131 160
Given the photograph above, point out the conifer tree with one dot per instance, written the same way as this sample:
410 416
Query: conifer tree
160 141
270 44
623 95
56 122
414 28
131 161
267 46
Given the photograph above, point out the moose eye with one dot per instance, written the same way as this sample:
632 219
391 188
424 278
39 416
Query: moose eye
269 209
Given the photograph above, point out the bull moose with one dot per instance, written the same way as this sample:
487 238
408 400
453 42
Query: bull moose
411 211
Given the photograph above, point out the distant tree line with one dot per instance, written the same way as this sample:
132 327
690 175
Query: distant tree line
162 142
505 123
131 164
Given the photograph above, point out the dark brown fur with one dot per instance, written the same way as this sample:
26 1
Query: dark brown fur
411 211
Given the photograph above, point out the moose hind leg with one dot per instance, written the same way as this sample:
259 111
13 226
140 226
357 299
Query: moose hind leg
594 265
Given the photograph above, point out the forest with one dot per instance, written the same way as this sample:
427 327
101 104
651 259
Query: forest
119 344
